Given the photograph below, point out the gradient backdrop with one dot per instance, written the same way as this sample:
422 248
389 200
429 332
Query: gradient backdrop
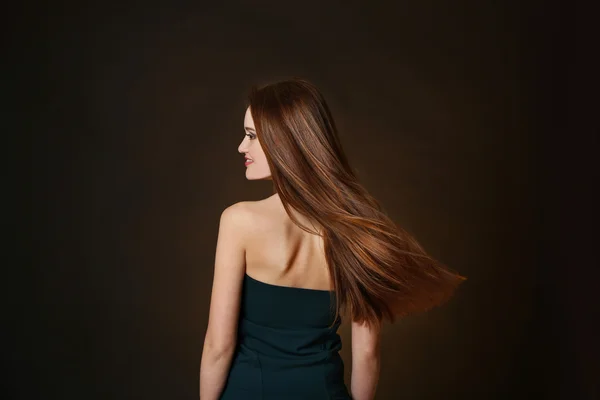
137 112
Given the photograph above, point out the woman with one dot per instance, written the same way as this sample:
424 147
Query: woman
289 266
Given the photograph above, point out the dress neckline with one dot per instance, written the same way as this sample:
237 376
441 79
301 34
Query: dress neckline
289 287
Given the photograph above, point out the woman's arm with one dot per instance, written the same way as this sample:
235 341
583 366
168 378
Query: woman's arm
214 368
365 375
366 359
221 333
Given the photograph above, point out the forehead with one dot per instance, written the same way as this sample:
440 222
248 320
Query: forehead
248 118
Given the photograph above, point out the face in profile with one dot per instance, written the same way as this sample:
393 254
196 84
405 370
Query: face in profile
255 160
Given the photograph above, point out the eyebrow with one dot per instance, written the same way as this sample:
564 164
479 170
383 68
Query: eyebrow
249 129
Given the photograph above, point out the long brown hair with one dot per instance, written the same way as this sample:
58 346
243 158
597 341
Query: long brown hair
378 269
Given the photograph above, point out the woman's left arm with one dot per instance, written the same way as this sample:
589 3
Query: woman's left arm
221 333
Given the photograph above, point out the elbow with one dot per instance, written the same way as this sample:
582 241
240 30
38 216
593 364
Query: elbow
218 351
367 356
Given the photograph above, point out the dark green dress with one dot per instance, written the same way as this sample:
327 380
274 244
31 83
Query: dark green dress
285 350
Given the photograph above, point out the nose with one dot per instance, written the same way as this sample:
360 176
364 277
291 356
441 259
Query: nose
242 146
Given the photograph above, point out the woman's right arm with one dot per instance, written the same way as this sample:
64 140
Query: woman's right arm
366 359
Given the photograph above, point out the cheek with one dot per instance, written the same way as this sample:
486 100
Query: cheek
259 156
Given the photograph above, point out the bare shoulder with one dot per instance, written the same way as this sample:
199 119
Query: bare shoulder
237 216
256 208
249 213
239 210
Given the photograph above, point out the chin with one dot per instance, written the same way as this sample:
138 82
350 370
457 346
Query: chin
259 178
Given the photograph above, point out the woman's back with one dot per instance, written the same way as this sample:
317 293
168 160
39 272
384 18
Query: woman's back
281 253
286 348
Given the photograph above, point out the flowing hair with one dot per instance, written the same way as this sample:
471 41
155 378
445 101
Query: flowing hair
379 270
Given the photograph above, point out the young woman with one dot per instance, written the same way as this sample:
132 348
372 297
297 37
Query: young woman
289 266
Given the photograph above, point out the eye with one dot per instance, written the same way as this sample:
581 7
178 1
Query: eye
251 136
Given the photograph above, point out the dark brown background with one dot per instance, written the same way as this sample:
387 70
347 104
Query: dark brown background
465 119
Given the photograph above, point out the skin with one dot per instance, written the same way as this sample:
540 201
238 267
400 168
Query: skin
250 147
235 230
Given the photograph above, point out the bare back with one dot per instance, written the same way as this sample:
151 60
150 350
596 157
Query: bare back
280 253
